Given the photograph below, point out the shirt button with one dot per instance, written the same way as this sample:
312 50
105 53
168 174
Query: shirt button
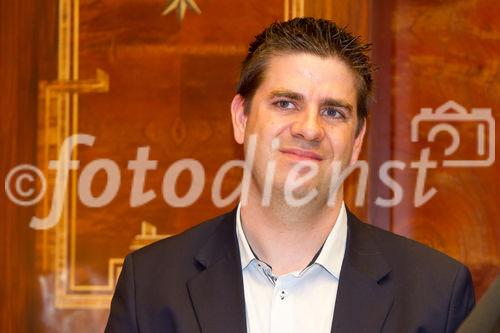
282 295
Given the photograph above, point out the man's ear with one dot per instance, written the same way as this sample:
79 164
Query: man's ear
239 118
358 143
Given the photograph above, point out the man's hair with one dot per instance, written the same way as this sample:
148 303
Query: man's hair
313 36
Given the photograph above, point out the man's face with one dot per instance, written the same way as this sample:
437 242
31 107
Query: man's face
308 103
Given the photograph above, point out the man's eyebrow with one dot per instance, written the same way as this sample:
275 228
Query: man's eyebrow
286 93
337 103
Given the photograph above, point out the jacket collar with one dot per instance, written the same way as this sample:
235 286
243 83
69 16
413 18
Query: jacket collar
364 295
217 291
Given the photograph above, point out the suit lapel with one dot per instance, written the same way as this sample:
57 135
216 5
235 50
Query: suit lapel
365 294
217 291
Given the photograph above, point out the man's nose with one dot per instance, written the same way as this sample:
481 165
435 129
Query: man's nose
308 126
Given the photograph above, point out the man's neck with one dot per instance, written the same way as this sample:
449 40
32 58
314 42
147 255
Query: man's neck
285 237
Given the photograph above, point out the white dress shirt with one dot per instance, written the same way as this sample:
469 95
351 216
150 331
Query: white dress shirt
301 301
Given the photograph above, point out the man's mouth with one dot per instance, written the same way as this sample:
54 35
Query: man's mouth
300 154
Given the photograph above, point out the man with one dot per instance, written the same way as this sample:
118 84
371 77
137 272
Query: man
291 257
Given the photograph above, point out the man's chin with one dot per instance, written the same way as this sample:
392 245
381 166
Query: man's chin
305 193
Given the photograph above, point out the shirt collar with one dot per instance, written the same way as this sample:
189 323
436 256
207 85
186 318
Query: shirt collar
246 253
332 252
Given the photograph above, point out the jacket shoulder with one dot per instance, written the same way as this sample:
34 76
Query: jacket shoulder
431 289
183 245
404 254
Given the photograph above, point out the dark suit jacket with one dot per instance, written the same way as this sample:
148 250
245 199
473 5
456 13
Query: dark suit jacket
193 282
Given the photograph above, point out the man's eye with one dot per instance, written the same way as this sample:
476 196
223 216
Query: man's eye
284 104
333 113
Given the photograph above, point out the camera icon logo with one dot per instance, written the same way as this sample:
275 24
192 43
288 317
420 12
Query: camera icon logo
452 112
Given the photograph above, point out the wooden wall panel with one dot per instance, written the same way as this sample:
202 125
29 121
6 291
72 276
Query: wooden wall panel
448 51
18 87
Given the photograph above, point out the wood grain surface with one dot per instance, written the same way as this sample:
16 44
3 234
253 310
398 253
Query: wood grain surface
448 51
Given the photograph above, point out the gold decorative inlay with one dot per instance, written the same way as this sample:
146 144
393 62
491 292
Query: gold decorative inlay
147 236
293 8
181 6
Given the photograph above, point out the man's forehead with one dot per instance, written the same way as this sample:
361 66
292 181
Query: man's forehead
303 73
